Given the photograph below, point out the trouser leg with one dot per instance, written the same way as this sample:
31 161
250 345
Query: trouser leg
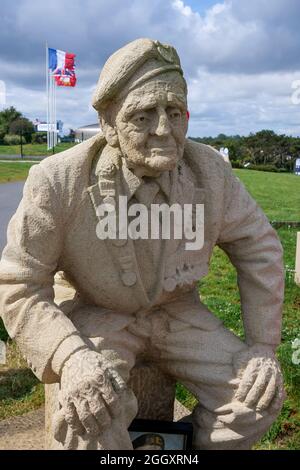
106 333
202 360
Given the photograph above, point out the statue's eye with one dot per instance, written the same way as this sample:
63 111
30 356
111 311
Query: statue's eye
139 119
174 113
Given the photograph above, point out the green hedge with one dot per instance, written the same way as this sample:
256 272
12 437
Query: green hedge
270 168
13 139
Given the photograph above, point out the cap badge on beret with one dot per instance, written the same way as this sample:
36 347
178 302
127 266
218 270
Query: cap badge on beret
167 52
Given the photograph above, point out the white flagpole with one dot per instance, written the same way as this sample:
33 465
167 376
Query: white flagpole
47 94
55 125
51 111
52 114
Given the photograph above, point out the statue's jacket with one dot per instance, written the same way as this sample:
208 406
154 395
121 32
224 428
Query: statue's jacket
55 229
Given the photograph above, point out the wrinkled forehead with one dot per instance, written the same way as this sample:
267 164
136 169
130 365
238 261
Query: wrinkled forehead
165 90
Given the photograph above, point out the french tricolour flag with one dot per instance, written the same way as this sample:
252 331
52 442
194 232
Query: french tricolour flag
62 66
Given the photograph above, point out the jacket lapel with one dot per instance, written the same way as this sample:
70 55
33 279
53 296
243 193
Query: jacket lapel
122 251
185 266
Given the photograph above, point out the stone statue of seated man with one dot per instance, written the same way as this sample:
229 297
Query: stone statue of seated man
136 296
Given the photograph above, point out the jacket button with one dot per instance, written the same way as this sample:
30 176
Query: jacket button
109 200
169 284
129 278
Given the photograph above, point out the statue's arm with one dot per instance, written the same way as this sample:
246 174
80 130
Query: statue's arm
255 250
27 268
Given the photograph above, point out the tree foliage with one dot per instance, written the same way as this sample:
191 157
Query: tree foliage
7 116
22 126
12 122
263 148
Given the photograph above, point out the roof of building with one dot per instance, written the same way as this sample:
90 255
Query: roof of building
88 127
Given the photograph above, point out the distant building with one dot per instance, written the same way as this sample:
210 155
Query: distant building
42 126
85 132
297 167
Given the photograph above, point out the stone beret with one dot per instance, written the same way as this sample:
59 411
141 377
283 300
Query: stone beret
125 62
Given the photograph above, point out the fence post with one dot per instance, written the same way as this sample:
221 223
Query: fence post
297 264
21 143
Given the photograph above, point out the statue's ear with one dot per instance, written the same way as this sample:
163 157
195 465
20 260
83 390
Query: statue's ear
110 134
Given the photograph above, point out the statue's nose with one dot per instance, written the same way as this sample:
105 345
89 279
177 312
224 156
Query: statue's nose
162 126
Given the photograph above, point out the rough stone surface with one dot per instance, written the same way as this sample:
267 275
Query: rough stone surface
121 303
27 432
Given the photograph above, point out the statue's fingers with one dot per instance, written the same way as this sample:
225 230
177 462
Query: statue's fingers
268 395
261 383
111 399
247 380
100 412
71 441
86 417
235 411
128 406
60 426
224 409
280 395
117 382
72 418
227 419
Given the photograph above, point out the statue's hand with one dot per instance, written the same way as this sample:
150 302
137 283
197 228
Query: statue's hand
90 389
261 383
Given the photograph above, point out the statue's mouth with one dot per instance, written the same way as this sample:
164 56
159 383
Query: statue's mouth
163 150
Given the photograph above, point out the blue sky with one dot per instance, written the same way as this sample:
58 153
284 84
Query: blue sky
200 5
240 57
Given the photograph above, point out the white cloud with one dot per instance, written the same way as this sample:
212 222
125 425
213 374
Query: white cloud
239 57
238 104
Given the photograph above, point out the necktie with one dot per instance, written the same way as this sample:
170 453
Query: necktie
154 190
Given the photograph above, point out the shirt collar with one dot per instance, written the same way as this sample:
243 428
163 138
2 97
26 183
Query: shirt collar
145 189
111 160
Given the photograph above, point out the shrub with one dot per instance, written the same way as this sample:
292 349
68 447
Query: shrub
39 138
22 126
236 164
271 168
13 139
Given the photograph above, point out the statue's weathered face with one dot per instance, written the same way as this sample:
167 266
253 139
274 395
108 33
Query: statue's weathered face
151 124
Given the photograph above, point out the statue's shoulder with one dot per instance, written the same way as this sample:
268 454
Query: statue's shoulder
73 166
205 159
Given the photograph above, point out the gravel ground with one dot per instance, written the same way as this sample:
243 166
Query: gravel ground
26 432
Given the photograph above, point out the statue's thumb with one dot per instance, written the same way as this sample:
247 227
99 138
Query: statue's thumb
60 426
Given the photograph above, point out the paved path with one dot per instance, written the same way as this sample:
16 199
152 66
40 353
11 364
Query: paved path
6 157
19 161
26 432
10 196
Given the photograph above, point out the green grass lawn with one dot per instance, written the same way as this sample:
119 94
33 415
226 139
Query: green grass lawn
33 149
14 171
278 195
